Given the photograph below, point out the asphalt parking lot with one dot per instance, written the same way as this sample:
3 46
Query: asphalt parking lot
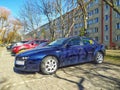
87 76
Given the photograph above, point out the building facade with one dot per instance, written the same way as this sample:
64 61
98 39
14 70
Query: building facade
103 23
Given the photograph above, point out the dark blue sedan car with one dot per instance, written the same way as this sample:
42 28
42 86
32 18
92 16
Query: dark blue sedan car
59 53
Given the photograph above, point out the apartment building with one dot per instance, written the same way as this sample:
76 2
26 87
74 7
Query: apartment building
103 23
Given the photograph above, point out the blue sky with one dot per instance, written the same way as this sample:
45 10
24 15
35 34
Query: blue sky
12 5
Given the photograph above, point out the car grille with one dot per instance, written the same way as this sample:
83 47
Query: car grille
20 59
19 66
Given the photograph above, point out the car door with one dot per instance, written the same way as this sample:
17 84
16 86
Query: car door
89 48
70 54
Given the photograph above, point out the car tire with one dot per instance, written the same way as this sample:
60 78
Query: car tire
99 58
49 65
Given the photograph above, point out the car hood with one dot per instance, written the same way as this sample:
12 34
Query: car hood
37 50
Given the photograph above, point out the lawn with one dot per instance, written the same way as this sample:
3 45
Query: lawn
113 56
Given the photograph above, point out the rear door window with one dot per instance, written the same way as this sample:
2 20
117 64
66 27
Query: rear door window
88 42
74 41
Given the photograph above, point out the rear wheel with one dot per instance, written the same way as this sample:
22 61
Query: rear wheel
99 58
49 65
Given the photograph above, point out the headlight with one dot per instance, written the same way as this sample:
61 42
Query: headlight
21 60
24 58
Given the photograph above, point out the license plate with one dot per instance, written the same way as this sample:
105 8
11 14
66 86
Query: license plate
20 62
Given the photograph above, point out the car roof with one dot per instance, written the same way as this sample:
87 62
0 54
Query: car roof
82 37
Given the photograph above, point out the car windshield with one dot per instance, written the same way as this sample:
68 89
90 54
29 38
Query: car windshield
28 42
42 44
58 42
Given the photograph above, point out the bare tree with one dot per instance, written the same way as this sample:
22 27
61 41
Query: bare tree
43 34
15 26
4 15
47 8
7 24
112 4
66 16
4 22
83 6
60 11
30 16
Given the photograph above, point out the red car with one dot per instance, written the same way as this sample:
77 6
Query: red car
29 45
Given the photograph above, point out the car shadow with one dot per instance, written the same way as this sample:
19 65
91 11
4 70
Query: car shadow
98 75
101 72
23 72
79 84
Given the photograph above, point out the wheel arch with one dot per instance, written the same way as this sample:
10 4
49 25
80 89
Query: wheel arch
52 56
99 51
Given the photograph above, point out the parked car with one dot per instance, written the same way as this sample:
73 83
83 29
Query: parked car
10 46
14 44
19 43
29 45
59 53
39 46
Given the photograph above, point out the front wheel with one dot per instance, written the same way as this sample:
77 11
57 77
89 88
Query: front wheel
49 65
99 58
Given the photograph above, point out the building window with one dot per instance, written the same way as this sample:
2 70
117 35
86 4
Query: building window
117 15
96 29
96 1
92 12
75 26
76 18
106 38
96 11
90 22
117 25
96 20
96 38
90 5
118 37
106 27
118 2
106 17
76 33
106 6
80 24
89 14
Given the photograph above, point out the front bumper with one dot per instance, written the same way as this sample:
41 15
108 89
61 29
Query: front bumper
29 66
